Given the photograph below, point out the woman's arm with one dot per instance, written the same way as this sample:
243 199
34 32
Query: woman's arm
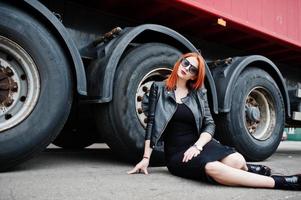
147 149
207 132
152 101
143 164
203 140
208 125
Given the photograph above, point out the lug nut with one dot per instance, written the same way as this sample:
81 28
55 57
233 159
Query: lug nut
23 98
139 98
23 76
144 89
140 111
8 116
8 71
145 120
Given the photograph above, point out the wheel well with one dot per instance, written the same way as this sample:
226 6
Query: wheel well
154 36
165 37
150 36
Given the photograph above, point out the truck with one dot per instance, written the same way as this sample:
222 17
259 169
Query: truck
75 72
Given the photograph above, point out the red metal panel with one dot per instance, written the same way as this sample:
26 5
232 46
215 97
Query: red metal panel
224 6
267 20
293 18
299 20
254 12
240 9
280 19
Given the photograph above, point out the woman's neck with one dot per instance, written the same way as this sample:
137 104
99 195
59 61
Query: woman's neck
181 83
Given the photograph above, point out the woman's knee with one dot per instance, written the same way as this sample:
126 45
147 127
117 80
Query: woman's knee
240 160
212 168
235 160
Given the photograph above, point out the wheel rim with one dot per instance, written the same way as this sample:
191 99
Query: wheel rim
260 114
19 84
158 74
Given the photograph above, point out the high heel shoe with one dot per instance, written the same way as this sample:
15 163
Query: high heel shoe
259 169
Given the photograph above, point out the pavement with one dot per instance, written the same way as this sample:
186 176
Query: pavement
95 173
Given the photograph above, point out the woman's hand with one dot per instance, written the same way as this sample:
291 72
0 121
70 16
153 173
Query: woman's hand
142 165
189 153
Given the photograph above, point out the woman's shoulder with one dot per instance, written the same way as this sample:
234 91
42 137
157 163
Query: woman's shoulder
201 92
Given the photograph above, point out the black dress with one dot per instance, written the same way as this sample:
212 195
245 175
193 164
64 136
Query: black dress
179 135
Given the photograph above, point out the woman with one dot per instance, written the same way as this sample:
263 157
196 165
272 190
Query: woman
179 115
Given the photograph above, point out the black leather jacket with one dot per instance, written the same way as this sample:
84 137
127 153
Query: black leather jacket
162 106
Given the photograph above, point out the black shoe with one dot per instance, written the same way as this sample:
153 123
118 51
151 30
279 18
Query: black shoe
259 169
288 182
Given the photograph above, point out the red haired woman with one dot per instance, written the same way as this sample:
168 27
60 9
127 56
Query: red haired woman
179 115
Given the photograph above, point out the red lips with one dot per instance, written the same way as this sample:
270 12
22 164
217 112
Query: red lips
184 73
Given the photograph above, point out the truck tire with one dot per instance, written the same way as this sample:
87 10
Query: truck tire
35 87
122 121
255 122
80 129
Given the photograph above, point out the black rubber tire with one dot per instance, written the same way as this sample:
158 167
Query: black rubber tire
35 132
230 126
80 129
117 121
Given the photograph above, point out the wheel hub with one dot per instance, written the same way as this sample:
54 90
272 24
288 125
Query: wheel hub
7 86
252 110
259 114
19 84
253 114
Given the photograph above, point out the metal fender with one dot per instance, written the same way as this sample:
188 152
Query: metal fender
115 50
225 77
46 16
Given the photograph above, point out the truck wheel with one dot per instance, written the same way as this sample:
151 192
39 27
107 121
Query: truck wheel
122 122
255 122
78 137
35 87
79 131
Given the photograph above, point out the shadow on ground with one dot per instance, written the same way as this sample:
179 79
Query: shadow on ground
58 158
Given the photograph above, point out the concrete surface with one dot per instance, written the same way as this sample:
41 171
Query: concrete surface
95 173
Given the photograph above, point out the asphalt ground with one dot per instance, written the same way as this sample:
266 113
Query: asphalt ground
96 173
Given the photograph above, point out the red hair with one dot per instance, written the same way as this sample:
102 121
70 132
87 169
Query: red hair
171 81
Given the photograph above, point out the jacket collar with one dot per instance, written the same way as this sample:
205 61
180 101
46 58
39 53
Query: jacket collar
171 94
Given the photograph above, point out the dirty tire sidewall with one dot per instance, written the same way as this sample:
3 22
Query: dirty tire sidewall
251 148
36 131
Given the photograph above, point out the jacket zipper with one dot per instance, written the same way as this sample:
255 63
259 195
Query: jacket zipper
165 125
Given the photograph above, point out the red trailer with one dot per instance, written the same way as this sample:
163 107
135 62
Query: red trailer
75 73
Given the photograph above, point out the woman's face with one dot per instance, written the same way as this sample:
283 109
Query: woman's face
188 69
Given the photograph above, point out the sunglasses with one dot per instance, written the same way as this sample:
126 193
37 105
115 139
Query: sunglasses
191 68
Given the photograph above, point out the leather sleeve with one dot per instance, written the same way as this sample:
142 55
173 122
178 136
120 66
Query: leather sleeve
152 100
208 124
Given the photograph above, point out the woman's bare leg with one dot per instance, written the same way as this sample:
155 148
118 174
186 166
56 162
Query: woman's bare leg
235 160
230 176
